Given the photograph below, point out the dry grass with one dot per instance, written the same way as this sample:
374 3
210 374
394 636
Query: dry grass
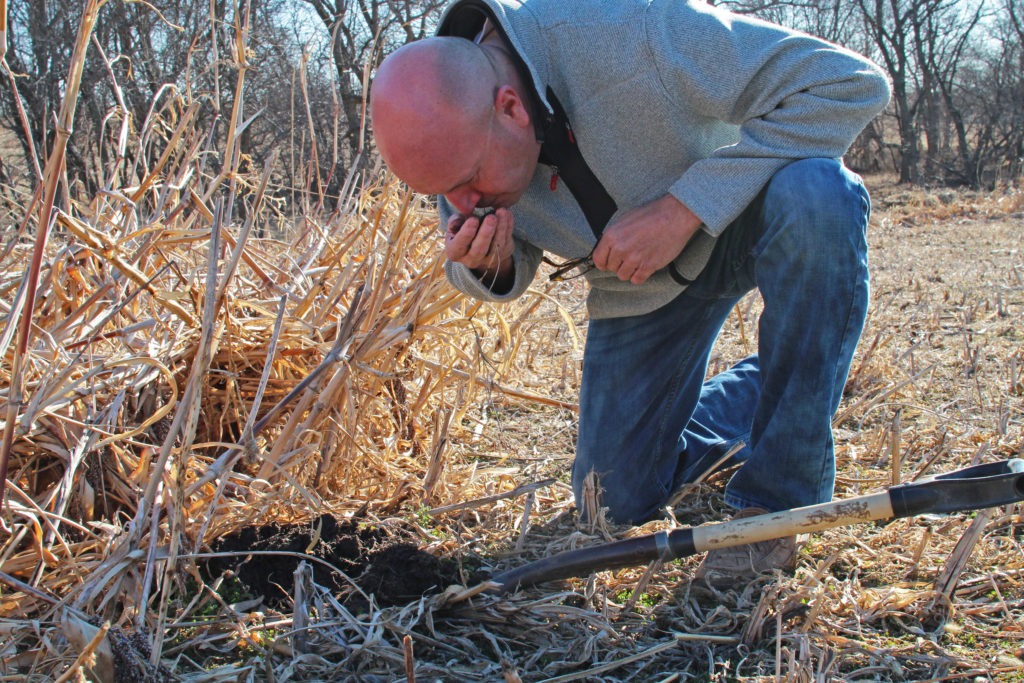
182 374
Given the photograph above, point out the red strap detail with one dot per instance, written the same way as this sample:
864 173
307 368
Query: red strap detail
554 180
572 138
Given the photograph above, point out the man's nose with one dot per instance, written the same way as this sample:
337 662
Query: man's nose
463 201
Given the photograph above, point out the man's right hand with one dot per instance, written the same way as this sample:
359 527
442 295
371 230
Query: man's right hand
484 245
646 239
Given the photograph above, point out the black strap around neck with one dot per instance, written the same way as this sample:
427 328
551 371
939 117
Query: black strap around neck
560 151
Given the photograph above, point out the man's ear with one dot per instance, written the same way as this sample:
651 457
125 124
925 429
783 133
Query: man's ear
509 104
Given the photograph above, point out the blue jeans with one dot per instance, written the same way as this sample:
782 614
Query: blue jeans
649 422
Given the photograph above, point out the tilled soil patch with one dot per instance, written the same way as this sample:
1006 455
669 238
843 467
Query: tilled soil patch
384 561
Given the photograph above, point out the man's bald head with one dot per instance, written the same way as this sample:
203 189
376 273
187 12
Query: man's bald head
428 98
451 117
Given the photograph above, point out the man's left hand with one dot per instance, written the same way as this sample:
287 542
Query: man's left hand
645 239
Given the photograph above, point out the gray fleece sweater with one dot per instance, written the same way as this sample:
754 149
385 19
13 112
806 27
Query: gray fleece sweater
667 96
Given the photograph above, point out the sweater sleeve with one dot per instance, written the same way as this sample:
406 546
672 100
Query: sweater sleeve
526 260
793 96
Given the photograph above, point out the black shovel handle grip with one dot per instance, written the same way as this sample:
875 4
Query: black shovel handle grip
972 488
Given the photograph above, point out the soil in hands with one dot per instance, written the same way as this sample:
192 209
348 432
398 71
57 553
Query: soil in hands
384 562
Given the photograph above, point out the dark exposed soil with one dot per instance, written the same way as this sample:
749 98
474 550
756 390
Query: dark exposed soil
384 562
132 652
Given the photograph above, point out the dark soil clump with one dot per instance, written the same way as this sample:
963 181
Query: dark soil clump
132 652
384 562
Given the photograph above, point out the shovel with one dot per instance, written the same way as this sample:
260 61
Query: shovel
971 488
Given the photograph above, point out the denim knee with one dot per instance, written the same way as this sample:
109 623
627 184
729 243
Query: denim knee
822 200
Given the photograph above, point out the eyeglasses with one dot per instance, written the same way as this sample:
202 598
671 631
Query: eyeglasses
571 269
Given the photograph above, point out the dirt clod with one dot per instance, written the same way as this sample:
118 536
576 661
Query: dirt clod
384 562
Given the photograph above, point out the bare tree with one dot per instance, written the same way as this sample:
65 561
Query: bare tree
990 94
942 33
140 53
890 24
363 31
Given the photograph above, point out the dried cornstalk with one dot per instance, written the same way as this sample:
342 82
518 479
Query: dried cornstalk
51 176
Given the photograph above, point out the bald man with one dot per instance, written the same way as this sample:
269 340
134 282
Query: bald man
677 156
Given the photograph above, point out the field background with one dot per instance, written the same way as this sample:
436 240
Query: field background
197 370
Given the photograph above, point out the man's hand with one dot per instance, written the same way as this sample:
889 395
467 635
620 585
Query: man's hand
645 239
484 245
